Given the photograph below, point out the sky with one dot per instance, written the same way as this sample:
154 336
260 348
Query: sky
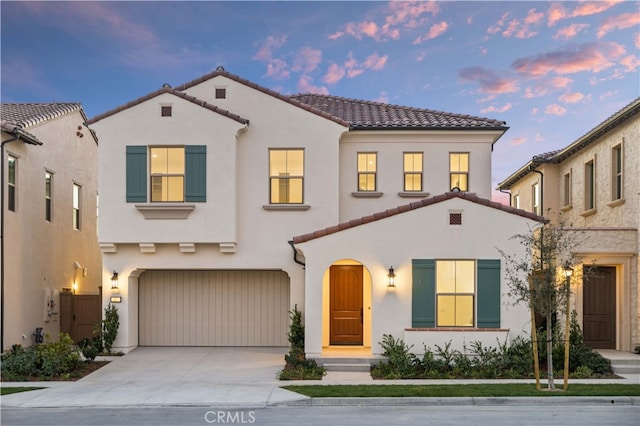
551 70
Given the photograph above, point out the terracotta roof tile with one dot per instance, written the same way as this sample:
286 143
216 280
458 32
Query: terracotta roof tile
413 206
25 115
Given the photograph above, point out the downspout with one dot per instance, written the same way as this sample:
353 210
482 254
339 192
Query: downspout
508 193
532 169
295 255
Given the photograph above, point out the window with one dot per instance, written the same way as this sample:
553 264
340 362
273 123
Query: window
459 170
535 198
11 183
413 171
455 292
589 186
516 201
367 171
566 184
164 175
616 168
221 93
76 205
167 174
166 111
286 176
48 183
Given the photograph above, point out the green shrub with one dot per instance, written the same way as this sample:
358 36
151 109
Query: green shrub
401 362
110 326
88 349
19 363
298 367
58 357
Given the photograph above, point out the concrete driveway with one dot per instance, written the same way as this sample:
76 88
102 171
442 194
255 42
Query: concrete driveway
229 377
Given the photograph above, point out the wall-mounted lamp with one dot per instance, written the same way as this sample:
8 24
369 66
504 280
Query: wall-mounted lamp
74 287
568 270
391 278
114 280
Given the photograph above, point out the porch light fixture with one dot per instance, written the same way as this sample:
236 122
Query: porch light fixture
568 270
391 278
114 280
74 287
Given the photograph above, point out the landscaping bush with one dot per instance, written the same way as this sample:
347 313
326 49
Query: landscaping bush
110 326
297 366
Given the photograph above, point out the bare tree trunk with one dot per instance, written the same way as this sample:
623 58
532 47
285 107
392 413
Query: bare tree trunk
551 385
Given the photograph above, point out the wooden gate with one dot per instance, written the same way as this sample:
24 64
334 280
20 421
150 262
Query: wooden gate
79 313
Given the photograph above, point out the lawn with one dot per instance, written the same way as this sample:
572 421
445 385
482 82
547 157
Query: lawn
9 391
475 390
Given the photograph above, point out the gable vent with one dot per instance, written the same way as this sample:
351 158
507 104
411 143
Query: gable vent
455 218
166 111
221 93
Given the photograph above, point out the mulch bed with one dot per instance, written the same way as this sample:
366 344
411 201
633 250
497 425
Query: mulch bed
83 370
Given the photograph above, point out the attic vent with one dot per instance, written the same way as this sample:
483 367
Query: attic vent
221 93
166 111
455 218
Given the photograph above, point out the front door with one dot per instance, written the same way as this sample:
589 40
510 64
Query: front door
600 307
345 305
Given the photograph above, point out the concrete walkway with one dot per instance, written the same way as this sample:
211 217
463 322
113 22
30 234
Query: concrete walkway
222 377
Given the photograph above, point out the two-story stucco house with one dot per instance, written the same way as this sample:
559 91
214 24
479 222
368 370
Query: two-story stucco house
225 204
49 216
593 187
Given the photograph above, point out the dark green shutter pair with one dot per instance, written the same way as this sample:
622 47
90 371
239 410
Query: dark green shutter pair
424 293
195 173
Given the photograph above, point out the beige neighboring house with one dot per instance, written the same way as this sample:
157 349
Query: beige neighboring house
49 215
593 186
229 204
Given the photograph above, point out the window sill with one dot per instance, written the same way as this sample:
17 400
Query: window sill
286 207
165 210
588 212
566 208
366 194
413 194
616 203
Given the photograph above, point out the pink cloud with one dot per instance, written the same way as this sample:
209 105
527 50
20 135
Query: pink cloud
593 57
535 111
630 63
436 30
492 108
569 32
636 40
383 98
336 35
269 45
535 92
626 20
277 69
305 85
518 141
406 12
334 74
557 11
560 82
555 109
518 28
571 97
533 17
307 60
375 62
497 27
490 81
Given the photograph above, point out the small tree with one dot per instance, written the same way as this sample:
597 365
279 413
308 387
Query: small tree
110 326
537 279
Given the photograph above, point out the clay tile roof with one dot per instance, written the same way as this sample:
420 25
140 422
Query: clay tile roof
367 115
25 115
415 205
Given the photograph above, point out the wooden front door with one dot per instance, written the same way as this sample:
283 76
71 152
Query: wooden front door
600 307
345 305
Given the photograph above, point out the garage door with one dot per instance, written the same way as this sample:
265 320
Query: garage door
213 308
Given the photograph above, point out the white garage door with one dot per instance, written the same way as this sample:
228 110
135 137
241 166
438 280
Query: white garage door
213 308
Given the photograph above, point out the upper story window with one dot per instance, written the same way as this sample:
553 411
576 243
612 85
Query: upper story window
589 185
286 176
11 183
617 180
167 174
367 169
413 171
455 293
176 173
459 170
516 201
566 189
48 192
535 198
77 200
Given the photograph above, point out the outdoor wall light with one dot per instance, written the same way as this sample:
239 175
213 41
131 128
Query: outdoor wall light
74 287
391 278
114 280
568 270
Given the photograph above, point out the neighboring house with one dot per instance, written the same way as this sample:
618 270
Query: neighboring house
592 186
209 192
49 215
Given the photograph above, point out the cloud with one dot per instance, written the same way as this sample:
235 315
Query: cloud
277 69
307 60
543 87
352 68
569 32
492 108
558 12
269 45
497 27
571 97
593 57
305 85
383 98
489 80
630 63
636 40
436 30
334 74
518 141
518 28
555 109
375 62
407 12
626 20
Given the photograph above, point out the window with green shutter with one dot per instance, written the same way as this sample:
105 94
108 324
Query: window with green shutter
423 300
196 173
489 293
136 174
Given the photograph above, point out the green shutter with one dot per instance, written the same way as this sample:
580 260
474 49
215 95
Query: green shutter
136 174
196 173
489 293
423 296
